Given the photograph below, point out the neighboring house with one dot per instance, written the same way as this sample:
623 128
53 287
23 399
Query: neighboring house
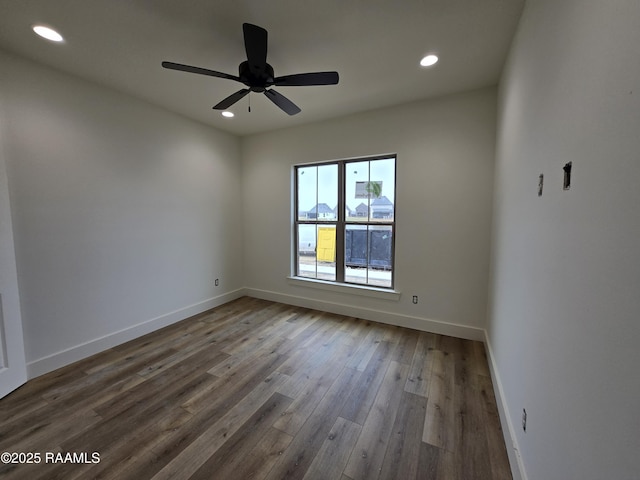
347 211
382 208
362 210
321 211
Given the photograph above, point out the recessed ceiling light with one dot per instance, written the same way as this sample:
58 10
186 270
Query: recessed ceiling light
429 60
48 33
227 114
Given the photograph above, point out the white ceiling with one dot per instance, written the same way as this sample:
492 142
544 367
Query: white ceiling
375 45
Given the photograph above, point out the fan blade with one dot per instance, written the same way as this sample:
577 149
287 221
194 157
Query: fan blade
255 44
198 70
231 99
303 79
283 102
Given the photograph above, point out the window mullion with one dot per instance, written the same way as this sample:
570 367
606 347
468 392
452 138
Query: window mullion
340 224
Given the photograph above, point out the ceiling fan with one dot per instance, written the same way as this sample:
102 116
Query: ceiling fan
258 75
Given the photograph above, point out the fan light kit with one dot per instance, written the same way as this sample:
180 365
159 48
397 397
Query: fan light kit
228 114
48 33
429 60
258 75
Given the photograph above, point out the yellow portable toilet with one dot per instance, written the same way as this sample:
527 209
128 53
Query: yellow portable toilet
326 250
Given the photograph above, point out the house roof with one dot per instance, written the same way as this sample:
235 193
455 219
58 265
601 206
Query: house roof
381 201
321 208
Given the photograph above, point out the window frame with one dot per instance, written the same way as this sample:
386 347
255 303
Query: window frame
341 224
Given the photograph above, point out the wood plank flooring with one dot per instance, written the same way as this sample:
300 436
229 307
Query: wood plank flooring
261 390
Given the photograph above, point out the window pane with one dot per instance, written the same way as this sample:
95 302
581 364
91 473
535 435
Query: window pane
356 195
382 189
307 264
326 207
355 253
326 252
379 267
368 254
307 190
317 251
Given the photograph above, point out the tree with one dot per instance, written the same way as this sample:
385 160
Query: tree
374 189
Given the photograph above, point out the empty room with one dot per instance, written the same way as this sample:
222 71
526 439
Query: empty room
320 240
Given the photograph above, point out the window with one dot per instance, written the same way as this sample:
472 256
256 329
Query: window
345 221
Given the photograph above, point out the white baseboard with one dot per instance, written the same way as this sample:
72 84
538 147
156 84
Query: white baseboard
401 320
65 357
515 460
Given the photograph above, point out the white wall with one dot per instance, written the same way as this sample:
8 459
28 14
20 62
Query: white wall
564 317
123 213
445 151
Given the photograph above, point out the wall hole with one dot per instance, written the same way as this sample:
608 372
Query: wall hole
566 185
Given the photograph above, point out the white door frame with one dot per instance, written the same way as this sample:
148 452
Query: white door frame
13 369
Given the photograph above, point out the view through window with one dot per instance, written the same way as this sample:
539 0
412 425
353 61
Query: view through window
345 221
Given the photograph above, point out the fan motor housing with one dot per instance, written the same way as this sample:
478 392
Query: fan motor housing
257 83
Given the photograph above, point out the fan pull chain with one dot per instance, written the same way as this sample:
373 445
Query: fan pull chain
249 103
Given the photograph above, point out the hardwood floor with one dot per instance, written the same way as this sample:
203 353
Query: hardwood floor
260 390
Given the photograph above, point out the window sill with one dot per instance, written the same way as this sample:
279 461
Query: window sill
366 291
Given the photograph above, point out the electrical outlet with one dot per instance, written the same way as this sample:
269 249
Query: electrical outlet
217 282
415 299
524 420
